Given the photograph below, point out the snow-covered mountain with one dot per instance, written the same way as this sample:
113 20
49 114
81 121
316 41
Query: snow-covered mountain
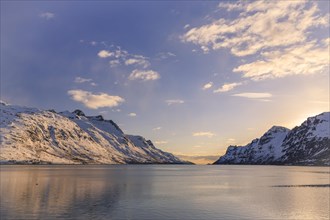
29 135
307 144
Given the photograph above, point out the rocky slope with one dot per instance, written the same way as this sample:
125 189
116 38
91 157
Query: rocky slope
29 135
307 144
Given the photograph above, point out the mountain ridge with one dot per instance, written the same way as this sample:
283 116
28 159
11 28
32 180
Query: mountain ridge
307 144
29 135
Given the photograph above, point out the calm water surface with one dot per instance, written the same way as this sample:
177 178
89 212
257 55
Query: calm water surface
164 192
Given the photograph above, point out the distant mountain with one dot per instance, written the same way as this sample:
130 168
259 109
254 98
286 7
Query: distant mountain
307 144
29 135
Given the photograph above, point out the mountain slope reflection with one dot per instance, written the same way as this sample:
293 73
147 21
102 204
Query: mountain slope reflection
40 193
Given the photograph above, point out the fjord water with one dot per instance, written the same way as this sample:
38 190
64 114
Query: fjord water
164 192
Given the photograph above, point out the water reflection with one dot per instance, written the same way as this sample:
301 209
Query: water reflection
39 192
164 192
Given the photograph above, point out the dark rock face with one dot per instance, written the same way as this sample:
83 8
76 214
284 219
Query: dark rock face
307 144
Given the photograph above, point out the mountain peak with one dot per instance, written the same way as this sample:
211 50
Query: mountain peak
78 112
3 102
307 144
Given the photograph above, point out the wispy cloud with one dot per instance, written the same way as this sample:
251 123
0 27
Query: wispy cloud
82 80
119 56
255 95
95 101
138 60
296 60
132 114
277 31
174 101
157 128
161 142
144 75
227 87
207 85
204 134
47 15
114 63
164 55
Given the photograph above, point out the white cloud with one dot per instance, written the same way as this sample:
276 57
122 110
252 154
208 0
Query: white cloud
95 101
161 142
207 85
227 87
259 25
164 55
138 60
204 134
144 75
122 56
157 128
81 80
186 26
47 15
296 60
174 101
254 95
114 63
278 32
132 114
105 54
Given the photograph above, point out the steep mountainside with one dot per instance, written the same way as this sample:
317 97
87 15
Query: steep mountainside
307 144
29 135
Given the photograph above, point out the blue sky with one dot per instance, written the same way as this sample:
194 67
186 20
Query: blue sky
192 76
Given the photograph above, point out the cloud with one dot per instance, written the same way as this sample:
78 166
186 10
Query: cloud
144 75
105 54
186 26
120 56
296 60
138 60
157 128
95 101
132 114
47 15
81 80
161 142
204 134
174 101
254 95
208 85
164 55
277 32
227 87
114 63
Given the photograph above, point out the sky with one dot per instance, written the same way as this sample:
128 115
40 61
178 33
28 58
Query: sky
192 76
